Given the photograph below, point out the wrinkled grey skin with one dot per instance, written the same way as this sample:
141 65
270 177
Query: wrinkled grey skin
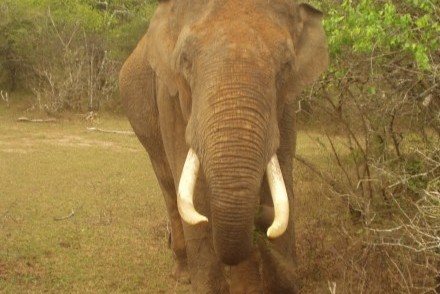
221 77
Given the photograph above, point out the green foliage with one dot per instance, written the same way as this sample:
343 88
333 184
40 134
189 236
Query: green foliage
68 49
368 26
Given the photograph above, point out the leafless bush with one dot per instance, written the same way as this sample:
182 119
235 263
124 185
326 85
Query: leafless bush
78 75
75 71
382 126
415 227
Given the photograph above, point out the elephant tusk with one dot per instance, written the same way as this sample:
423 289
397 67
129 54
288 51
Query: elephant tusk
186 190
279 197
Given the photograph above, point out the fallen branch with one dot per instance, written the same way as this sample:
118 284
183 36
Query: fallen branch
93 129
5 97
71 214
36 120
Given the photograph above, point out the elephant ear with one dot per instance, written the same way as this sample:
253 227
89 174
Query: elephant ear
311 48
160 45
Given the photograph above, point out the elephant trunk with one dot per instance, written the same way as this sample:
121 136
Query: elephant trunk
234 164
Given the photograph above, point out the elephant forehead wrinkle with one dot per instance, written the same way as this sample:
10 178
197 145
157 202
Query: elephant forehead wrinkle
226 148
239 104
237 165
232 135
225 73
231 126
234 89
247 60
227 135
236 86
247 111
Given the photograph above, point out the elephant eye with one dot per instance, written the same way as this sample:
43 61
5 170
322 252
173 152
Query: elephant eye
286 67
185 64
284 73
286 57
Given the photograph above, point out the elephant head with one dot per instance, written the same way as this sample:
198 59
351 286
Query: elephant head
235 66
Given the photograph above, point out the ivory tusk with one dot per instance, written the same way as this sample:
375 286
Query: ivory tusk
185 193
279 197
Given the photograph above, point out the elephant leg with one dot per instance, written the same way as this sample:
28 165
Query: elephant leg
279 260
166 183
138 85
245 277
207 272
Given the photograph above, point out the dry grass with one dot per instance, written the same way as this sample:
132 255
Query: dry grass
81 212
116 239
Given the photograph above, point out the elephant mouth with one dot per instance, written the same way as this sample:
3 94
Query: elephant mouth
278 191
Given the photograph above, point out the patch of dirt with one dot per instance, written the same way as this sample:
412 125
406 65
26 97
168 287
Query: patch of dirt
78 141
24 268
30 144
17 150
10 144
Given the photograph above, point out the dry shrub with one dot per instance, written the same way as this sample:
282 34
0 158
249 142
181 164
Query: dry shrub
75 71
381 131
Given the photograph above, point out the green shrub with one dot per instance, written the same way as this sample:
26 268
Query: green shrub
68 53
369 26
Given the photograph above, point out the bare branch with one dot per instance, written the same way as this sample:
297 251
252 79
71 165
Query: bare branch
71 214
5 97
324 176
36 120
55 28
93 129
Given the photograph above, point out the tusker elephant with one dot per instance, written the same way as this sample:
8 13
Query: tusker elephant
210 92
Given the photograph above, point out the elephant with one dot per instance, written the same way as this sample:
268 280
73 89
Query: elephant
210 93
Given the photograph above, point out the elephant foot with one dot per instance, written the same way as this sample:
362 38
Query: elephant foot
245 277
180 272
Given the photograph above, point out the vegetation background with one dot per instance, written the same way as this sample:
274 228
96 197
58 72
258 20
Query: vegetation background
368 164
